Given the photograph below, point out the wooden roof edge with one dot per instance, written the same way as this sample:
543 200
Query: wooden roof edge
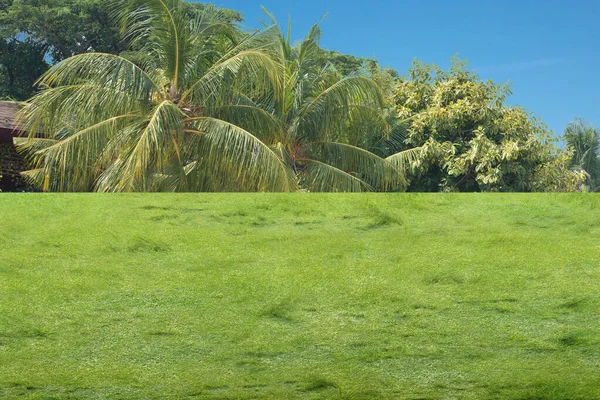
8 114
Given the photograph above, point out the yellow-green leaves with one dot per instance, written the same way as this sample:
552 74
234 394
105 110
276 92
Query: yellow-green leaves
162 118
470 140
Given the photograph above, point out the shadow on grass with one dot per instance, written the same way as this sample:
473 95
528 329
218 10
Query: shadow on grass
282 311
317 383
142 245
381 218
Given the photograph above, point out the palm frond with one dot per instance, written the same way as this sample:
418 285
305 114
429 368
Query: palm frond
322 177
37 178
584 139
405 160
282 153
146 152
253 66
28 145
164 24
235 153
308 50
317 114
75 106
378 172
351 89
74 163
249 118
104 70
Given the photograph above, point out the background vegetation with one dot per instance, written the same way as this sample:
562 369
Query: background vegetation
11 165
369 128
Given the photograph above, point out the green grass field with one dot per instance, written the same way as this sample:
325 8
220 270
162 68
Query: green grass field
300 296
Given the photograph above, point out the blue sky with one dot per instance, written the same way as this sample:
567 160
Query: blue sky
548 49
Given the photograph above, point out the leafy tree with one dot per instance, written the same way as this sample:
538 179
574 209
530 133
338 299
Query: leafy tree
345 64
36 33
21 64
380 142
584 140
70 27
462 136
10 166
62 28
321 119
163 123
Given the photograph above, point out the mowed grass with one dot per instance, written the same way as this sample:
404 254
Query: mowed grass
300 296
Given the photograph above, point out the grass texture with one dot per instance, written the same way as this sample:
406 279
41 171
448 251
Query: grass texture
300 296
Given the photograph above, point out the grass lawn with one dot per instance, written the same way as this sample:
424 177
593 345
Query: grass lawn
300 296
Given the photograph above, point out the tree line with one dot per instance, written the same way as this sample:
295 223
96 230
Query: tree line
165 95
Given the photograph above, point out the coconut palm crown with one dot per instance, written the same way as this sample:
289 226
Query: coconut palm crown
154 119
322 117
584 140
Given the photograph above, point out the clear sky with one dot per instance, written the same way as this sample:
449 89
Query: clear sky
549 50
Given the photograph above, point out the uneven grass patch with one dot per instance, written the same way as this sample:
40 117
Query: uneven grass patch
299 296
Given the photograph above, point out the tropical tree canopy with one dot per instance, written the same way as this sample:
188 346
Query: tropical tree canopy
21 64
151 120
195 103
584 140
322 119
463 137
34 34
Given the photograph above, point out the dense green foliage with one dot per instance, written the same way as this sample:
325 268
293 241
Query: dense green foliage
197 104
34 33
268 296
11 164
160 123
63 28
21 64
470 140
322 119
584 140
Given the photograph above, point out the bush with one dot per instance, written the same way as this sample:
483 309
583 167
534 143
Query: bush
11 165
472 140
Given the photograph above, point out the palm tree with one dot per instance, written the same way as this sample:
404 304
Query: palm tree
584 140
156 118
319 119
